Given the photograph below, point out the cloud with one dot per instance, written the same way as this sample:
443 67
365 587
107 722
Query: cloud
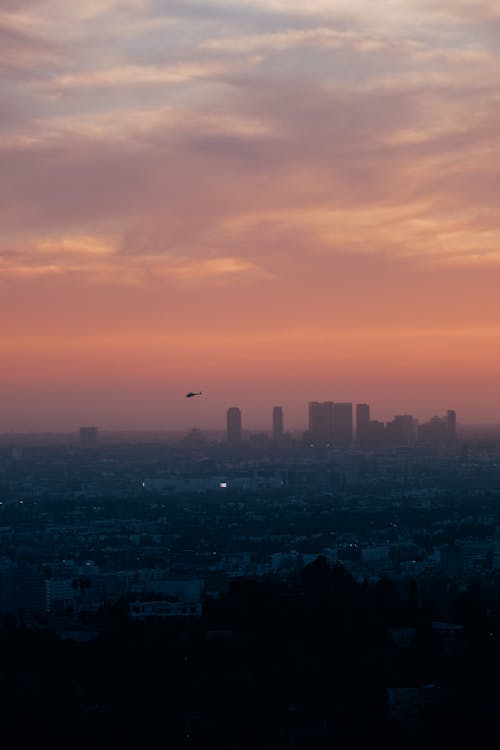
21 52
223 269
97 259
76 246
323 37
60 255
133 76
349 132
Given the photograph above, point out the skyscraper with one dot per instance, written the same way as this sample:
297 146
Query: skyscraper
401 430
277 423
433 432
451 425
321 421
233 425
342 424
362 422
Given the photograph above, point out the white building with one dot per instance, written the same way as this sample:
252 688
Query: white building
142 610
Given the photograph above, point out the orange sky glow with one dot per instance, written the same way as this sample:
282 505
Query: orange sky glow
270 201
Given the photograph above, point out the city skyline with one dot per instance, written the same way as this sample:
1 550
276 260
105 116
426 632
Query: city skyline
261 201
347 421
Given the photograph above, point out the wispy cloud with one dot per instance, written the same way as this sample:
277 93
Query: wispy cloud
98 259
21 52
224 269
133 76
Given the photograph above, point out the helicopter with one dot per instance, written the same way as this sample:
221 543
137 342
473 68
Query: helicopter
193 393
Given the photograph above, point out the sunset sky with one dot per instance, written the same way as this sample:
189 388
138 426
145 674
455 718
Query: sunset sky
271 201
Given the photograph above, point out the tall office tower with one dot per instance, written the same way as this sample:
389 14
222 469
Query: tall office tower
362 422
321 421
342 424
401 431
277 423
451 424
88 438
433 432
376 433
233 425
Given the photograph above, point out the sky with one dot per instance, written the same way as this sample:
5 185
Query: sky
271 201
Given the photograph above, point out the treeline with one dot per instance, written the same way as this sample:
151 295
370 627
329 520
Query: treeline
313 664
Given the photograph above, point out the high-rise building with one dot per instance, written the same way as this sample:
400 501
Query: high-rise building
233 425
451 424
375 434
439 430
433 432
277 423
88 438
321 421
362 422
401 431
342 424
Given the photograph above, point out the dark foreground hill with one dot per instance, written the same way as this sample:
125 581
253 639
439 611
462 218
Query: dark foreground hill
322 662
